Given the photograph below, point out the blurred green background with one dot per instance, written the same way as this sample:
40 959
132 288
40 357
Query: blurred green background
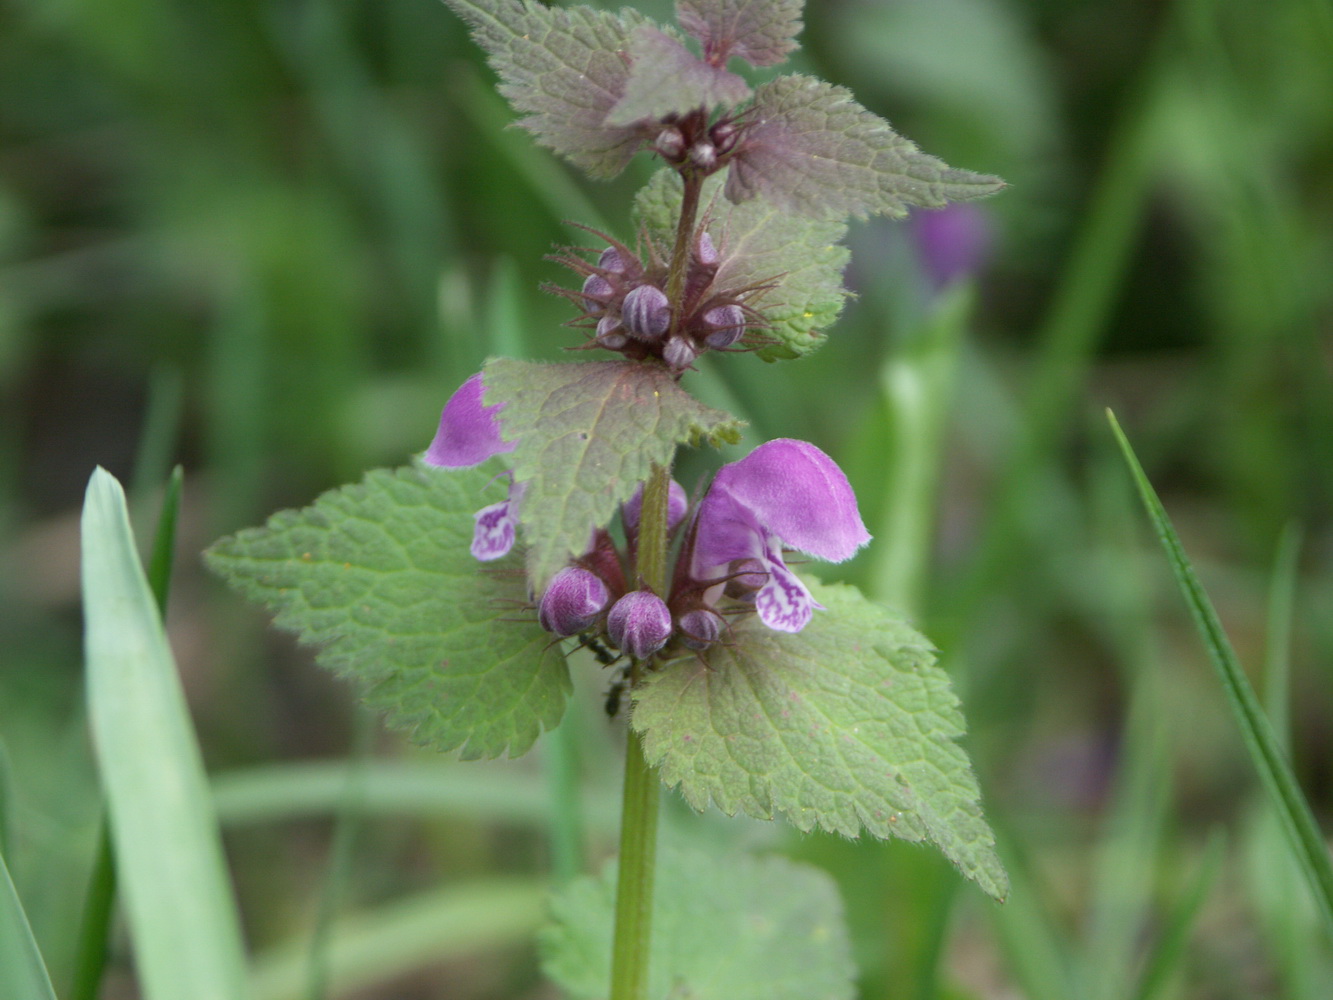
267 238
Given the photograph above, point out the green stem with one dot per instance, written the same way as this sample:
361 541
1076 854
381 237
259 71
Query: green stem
632 942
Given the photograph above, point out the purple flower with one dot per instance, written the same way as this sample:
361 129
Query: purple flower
678 505
639 623
469 434
784 494
573 600
953 242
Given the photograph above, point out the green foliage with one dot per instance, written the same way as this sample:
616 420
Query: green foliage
182 917
668 79
563 68
761 33
816 151
588 435
22 972
1304 838
724 928
379 575
760 243
846 725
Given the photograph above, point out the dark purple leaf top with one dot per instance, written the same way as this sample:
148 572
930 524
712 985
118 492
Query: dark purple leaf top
762 32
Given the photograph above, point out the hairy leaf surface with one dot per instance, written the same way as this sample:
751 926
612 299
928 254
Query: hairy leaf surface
563 67
379 576
587 436
762 32
724 928
815 150
759 242
846 725
667 78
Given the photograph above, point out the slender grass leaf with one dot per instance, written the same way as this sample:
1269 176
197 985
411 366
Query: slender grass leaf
374 947
22 972
724 928
182 917
282 792
1168 954
379 575
1265 749
587 436
847 725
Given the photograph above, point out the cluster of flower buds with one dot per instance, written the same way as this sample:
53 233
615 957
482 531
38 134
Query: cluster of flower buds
691 141
625 300
784 495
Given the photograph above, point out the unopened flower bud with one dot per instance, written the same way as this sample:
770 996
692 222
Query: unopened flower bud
612 260
670 143
723 135
700 628
609 333
678 505
573 600
704 251
703 155
596 291
727 325
679 353
646 312
639 623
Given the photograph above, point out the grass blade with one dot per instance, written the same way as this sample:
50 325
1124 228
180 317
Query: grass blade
1168 954
22 972
181 913
1303 836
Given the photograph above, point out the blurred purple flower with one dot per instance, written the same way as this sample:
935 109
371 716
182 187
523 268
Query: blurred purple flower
784 494
953 242
678 505
469 434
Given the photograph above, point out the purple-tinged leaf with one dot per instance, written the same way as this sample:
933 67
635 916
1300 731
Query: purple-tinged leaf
565 69
812 148
666 78
761 32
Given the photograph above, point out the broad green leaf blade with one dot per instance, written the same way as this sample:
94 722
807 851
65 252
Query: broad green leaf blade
565 69
379 575
737 928
1265 749
666 78
182 917
759 243
816 151
846 725
588 435
22 972
761 32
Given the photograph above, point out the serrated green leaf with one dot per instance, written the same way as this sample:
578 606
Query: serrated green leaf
815 150
587 436
761 32
666 78
761 243
724 928
848 724
565 68
380 576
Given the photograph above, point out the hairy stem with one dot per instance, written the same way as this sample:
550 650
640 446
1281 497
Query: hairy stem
632 943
